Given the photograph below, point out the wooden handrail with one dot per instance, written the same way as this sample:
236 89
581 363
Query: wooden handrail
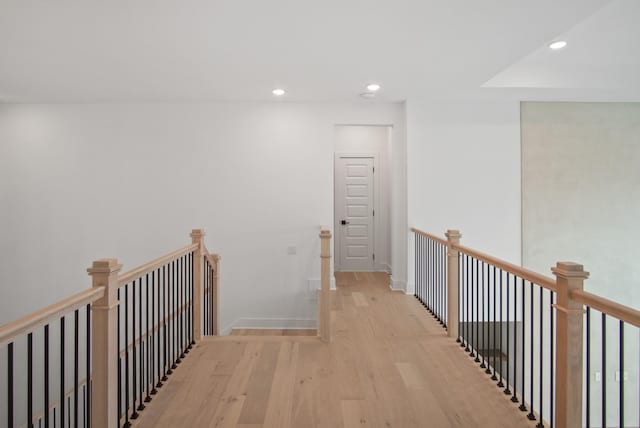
429 236
29 323
136 273
606 306
529 275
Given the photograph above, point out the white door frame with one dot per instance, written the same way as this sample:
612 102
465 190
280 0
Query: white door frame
376 207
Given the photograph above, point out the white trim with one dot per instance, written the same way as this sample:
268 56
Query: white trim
376 202
271 323
314 284
398 285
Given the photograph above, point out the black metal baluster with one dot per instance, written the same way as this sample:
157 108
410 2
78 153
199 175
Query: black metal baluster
193 320
500 383
507 374
165 347
46 376
88 366
126 356
443 294
604 370
466 323
119 364
436 280
551 360
183 334
495 321
415 268
422 266
179 311
443 269
588 370
10 384
30 380
427 275
531 416
206 292
481 284
621 379
540 423
459 309
169 319
190 293
429 279
473 317
134 360
418 268
62 346
463 299
140 343
147 348
69 412
514 398
187 288
84 406
174 315
154 339
477 317
523 407
75 368
438 283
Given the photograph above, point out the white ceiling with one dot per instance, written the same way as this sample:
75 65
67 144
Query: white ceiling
603 52
170 50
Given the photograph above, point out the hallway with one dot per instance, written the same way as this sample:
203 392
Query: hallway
390 364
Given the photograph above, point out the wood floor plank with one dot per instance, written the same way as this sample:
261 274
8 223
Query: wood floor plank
259 385
230 406
279 407
359 299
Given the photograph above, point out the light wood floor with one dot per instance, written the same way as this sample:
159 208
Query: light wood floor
272 332
389 365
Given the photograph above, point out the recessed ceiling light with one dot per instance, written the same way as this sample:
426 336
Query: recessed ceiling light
373 87
278 92
558 45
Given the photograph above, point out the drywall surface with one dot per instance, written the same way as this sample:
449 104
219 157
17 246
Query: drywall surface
81 182
464 172
373 140
581 203
581 191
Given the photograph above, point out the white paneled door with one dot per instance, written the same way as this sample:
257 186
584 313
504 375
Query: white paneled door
354 213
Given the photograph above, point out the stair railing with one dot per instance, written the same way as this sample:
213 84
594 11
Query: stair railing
104 353
534 335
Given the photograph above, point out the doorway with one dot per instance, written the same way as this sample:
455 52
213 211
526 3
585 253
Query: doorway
361 199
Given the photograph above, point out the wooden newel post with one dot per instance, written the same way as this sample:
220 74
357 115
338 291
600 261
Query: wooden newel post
453 237
197 237
104 349
569 276
324 305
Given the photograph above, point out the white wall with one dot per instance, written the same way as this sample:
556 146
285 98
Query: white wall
80 182
464 172
581 202
373 140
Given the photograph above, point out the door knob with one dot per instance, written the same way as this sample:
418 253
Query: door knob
344 222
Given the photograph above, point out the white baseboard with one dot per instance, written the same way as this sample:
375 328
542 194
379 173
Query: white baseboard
411 288
314 284
398 285
271 323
